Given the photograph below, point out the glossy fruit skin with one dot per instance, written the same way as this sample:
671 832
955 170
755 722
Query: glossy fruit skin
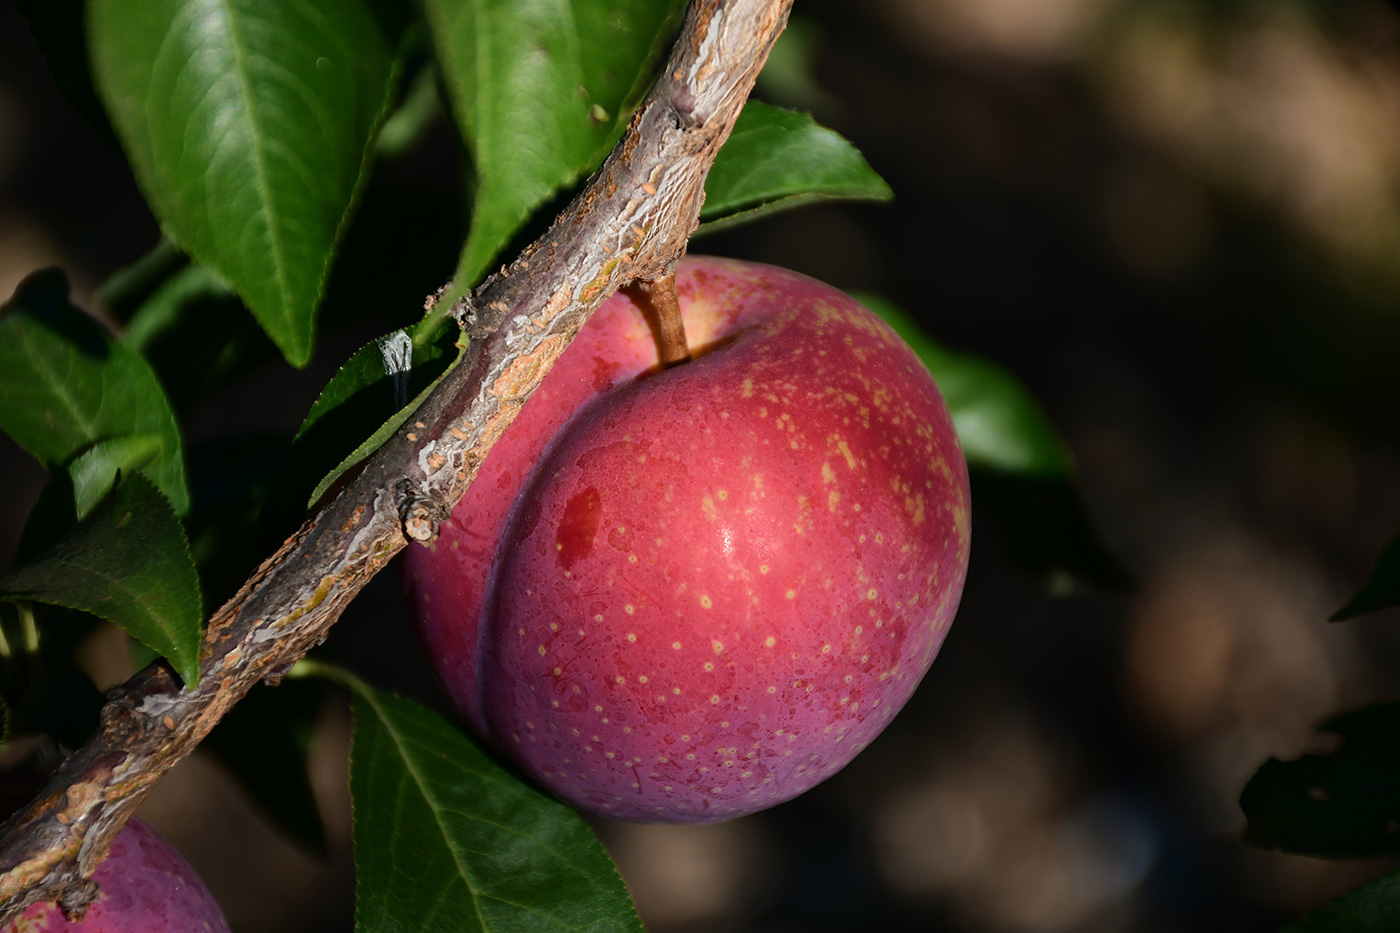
144 886
690 594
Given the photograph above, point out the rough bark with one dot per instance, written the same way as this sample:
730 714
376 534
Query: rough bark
630 223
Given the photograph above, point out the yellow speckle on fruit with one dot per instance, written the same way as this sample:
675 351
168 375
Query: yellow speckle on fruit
717 646
676 645
714 699
629 609
826 649
762 568
632 636
791 594
542 650
709 666
871 593
770 641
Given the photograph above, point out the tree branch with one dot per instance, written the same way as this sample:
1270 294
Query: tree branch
630 222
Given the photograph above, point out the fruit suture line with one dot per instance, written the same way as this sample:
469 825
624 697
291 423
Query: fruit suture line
642 204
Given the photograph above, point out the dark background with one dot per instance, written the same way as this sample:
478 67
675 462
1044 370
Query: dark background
1178 222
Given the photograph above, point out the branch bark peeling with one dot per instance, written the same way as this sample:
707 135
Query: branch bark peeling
630 223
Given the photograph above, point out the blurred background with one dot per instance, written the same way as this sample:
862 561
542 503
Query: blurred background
1178 221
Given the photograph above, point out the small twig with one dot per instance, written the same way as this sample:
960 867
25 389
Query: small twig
630 222
662 307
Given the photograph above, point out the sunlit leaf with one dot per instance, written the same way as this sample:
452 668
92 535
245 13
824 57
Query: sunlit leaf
778 159
248 126
540 91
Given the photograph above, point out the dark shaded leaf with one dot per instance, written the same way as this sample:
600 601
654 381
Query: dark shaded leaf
127 288
446 839
1000 424
1047 529
64 704
127 562
372 388
231 478
196 334
57 25
540 91
383 432
263 742
1382 590
1340 805
778 159
66 385
790 74
248 126
1371 908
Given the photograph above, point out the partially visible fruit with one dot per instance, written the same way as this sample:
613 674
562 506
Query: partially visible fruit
144 886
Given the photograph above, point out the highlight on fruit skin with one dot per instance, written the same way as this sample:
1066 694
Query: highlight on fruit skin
688 594
144 886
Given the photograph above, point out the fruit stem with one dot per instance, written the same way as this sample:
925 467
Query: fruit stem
662 308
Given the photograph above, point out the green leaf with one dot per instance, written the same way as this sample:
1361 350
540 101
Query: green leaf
790 74
94 472
379 385
445 838
1370 908
1044 525
1022 471
263 742
383 432
540 91
1382 590
778 159
66 385
1340 805
131 285
248 126
1000 424
196 334
128 563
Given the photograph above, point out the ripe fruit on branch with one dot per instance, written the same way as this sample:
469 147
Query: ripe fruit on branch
692 593
144 886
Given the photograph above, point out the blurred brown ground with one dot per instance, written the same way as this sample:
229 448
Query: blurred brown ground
1179 223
